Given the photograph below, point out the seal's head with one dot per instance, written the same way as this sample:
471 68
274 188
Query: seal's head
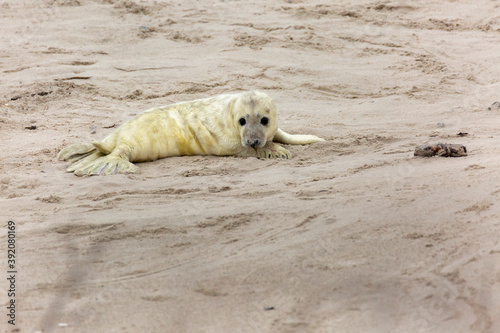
255 117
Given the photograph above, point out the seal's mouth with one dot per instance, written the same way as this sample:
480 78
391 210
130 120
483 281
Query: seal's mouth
254 143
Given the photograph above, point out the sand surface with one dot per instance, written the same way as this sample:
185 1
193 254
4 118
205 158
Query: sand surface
354 234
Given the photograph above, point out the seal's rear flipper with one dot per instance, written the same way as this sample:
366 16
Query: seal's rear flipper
84 162
99 164
294 139
76 152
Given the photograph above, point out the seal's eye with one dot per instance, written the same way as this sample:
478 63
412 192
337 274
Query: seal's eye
264 121
242 121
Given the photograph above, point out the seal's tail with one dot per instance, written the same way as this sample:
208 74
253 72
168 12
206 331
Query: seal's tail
87 160
76 152
294 139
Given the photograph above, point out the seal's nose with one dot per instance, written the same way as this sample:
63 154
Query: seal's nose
255 143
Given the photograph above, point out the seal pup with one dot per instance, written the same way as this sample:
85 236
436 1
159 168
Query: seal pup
242 124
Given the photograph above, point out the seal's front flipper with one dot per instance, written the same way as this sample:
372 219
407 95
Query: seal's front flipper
104 165
75 152
295 139
273 150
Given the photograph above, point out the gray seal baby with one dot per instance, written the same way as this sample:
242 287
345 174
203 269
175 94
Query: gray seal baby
242 124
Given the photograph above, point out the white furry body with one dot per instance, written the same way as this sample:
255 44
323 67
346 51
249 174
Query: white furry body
176 130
